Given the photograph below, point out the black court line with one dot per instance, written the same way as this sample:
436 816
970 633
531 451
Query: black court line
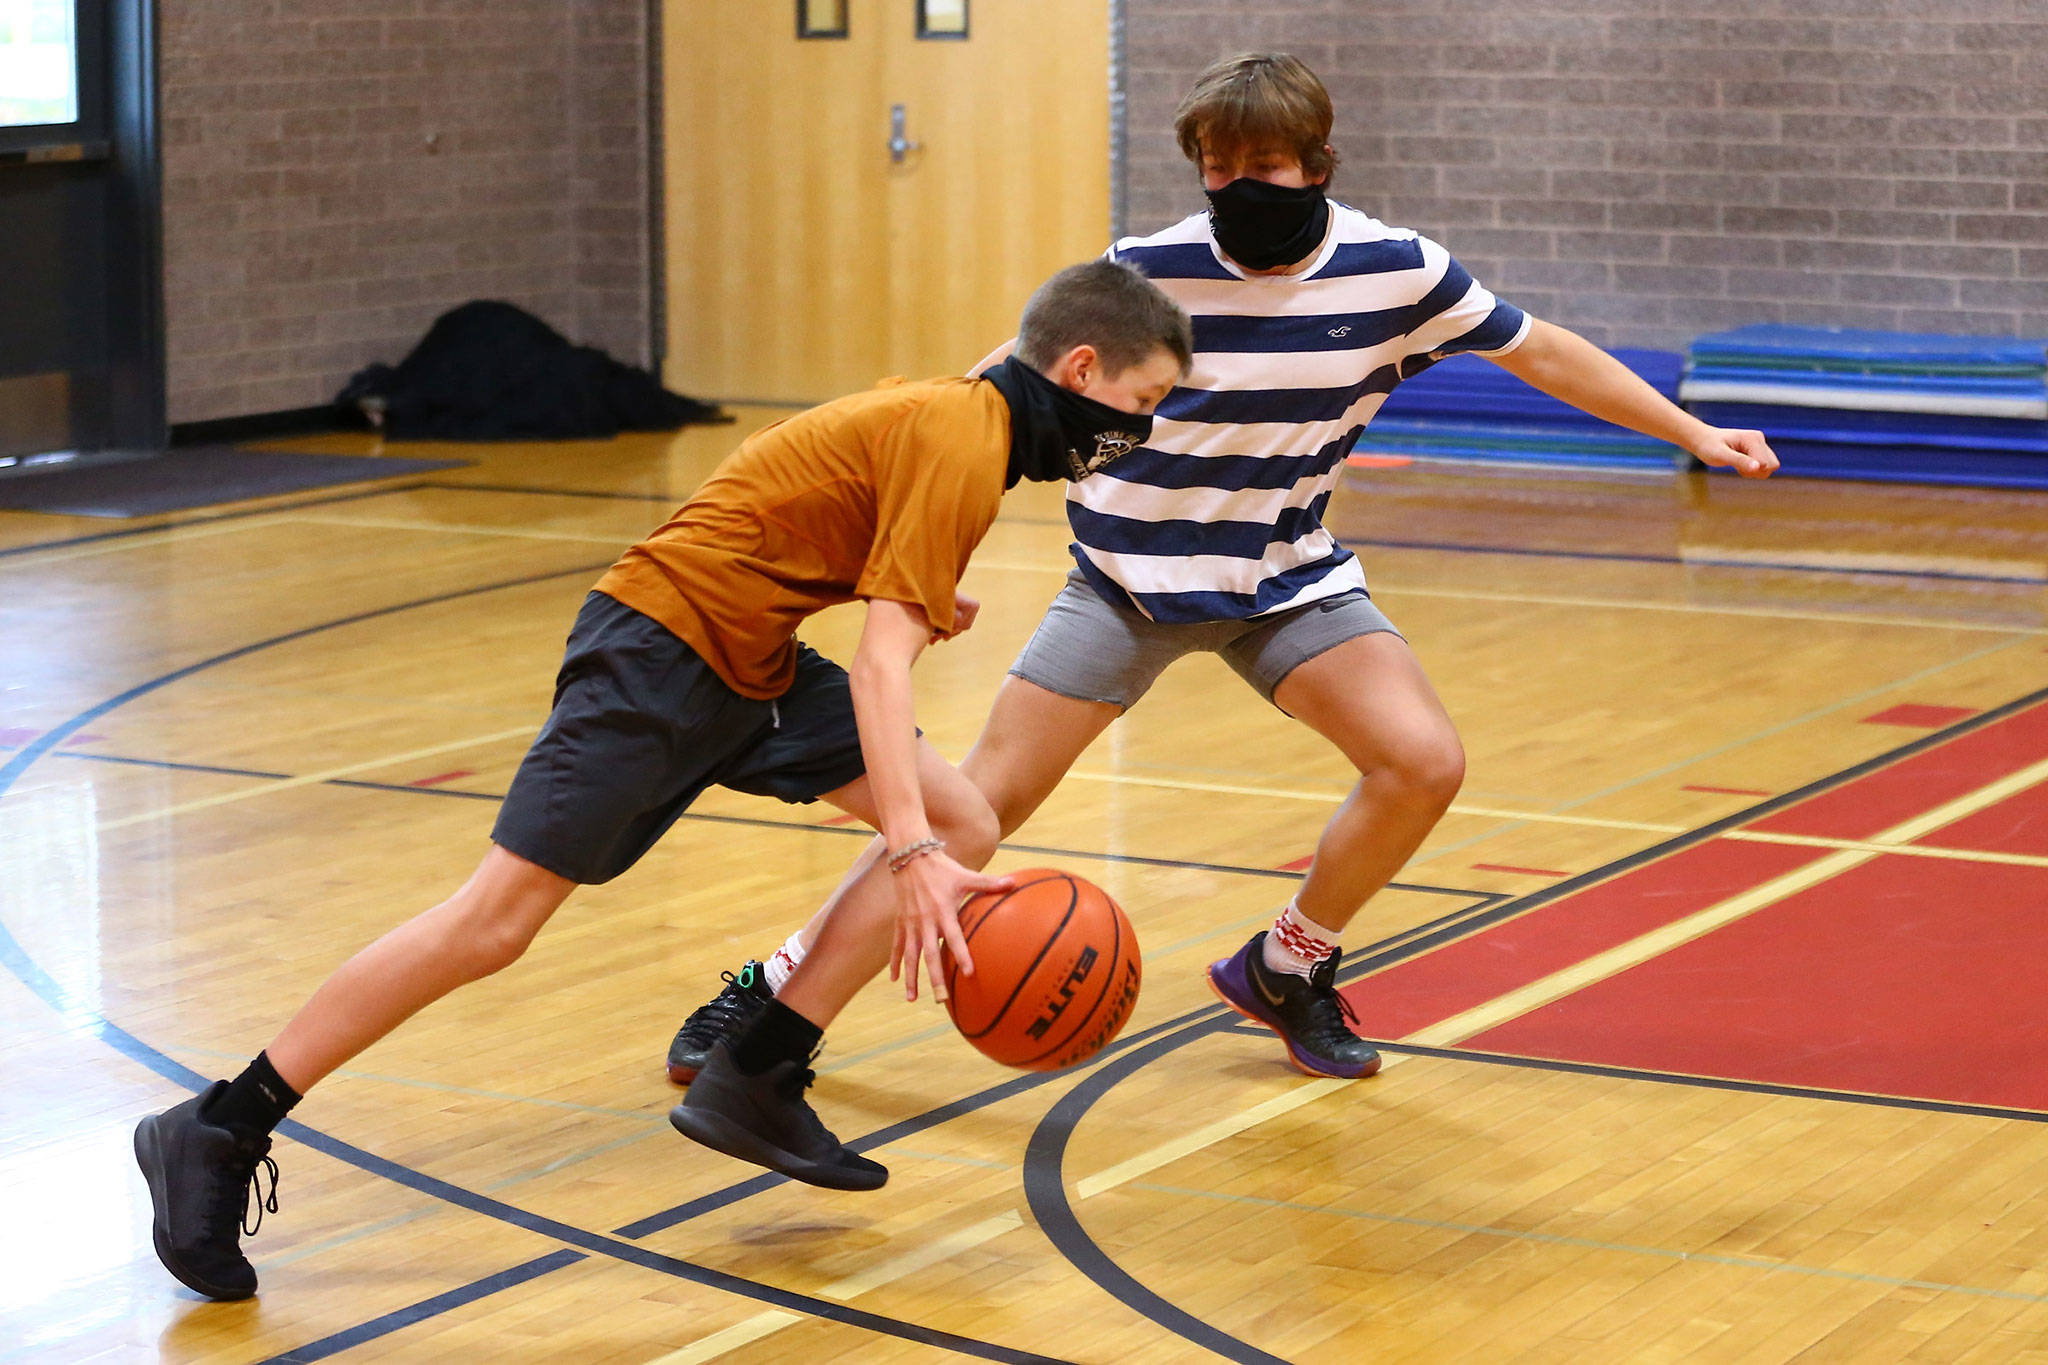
1799 1092
424 1309
172 523
81 1014
1203 1019
1044 1175
759 822
27 970
1045 1192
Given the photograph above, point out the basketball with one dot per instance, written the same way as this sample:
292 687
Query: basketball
1056 971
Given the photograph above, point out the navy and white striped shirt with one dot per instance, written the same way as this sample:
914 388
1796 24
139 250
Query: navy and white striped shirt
1219 516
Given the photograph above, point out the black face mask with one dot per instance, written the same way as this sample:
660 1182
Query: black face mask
1056 433
1262 226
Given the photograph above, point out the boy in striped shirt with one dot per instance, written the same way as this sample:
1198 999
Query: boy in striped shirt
1307 312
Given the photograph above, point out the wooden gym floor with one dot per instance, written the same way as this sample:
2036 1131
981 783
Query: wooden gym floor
1713 1009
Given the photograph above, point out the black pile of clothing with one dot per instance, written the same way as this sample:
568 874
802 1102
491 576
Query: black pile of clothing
491 371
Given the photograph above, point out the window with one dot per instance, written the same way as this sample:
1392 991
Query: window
821 18
942 18
38 63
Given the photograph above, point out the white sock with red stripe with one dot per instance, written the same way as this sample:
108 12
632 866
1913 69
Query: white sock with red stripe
783 961
1298 944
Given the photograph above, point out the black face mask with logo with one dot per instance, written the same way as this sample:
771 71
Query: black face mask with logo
1262 226
1056 433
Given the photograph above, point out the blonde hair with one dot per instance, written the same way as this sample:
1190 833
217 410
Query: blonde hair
1254 101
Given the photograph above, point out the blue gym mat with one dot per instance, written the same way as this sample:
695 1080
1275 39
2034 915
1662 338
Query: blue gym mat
1468 408
1853 403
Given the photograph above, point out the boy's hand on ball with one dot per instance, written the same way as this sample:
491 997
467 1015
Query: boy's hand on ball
928 895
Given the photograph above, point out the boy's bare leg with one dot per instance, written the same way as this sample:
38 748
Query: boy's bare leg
481 929
747 1098
853 941
1031 739
1033 736
1368 696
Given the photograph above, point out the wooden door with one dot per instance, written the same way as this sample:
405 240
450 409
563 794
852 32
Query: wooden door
804 261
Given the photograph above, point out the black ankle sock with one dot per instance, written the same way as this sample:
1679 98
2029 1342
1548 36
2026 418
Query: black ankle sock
778 1034
255 1102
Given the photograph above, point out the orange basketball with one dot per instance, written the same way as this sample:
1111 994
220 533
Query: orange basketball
1055 971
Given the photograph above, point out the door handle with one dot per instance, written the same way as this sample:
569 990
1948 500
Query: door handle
900 146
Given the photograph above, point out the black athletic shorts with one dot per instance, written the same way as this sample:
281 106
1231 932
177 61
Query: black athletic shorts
642 725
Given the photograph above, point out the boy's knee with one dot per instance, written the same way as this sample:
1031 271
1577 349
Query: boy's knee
484 939
1431 770
971 830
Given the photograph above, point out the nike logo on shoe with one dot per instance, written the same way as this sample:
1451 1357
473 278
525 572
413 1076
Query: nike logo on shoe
1267 992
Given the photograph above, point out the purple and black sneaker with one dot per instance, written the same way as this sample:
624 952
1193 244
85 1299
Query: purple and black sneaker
1306 1012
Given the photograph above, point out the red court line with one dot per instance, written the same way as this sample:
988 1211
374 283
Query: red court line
1471 971
1903 976
1919 716
2018 824
438 778
1876 802
1297 865
21 736
1525 871
1728 791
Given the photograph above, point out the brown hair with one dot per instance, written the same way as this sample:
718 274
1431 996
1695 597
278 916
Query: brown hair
1111 307
1257 100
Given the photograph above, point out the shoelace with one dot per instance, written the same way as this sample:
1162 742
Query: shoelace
730 1006
255 1198
1325 992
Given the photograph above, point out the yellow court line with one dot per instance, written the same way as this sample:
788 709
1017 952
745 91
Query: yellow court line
1881 844
1333 798
309 779
1966 855
1456 1029
749 1330
1642 948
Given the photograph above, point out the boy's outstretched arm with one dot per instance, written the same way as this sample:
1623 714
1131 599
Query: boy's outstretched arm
930 887
1573 370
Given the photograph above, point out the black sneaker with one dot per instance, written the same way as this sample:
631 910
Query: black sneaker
203 1183
724 1017
1307 1013
764 1119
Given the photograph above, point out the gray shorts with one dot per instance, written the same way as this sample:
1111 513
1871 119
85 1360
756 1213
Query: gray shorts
1092 650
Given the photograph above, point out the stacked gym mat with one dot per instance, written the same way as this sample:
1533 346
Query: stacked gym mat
1466 408
1891 406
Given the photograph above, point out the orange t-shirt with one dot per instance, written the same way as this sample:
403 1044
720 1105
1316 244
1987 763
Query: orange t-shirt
880 494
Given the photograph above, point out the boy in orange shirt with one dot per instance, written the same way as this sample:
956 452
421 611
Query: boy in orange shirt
683 671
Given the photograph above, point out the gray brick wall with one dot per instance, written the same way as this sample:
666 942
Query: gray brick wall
338 172
1645 170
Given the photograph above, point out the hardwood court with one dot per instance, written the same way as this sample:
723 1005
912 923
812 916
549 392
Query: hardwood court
1712 1009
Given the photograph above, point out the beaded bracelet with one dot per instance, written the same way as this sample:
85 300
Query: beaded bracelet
910 853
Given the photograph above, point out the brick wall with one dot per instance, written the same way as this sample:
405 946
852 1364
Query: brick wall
338 172
1644 170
